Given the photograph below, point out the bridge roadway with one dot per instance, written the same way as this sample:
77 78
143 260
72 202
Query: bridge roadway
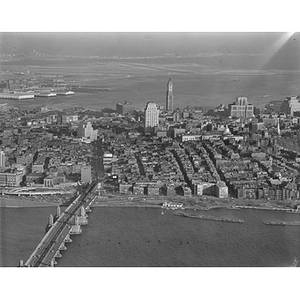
51 243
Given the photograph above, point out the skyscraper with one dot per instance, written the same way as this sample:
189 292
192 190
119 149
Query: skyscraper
291 105
241 108
151 116
123 108
169 98
2 159
87 131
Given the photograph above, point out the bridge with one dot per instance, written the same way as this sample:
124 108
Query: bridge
60 228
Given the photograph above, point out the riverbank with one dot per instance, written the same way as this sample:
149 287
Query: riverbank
189 203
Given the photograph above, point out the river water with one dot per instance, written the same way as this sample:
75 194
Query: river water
145 237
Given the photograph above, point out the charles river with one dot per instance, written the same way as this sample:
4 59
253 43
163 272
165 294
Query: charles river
118 236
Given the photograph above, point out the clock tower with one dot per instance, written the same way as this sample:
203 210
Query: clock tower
169 98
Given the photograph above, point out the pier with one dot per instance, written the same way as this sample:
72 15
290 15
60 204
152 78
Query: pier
60 228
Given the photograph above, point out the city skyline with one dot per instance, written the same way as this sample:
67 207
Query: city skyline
207 68
81 129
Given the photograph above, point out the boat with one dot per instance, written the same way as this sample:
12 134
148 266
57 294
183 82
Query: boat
64 93
282 223
45 95
91 89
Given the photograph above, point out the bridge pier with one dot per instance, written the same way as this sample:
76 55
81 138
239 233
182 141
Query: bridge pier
21 263
58 213
68 239
62 246
57 254
82 217
53 262
50 223
76 228
88 209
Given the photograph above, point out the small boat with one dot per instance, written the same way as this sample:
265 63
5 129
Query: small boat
162 212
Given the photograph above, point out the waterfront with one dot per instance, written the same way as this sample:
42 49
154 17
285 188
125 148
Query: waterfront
197 81
118 236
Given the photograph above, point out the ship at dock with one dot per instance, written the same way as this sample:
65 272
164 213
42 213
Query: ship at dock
54 94
16 96
45 95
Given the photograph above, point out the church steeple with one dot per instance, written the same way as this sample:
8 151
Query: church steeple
278 128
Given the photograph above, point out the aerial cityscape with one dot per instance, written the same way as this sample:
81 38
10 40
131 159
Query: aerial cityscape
184 151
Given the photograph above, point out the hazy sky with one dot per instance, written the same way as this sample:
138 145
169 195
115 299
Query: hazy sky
275 46
139 43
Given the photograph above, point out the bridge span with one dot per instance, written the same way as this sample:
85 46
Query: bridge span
60 228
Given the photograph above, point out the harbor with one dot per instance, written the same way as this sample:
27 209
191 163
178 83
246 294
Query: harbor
26 96
16 96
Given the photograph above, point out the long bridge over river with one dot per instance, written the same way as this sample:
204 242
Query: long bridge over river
60 228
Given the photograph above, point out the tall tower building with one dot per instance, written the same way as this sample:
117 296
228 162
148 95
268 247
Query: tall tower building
123 108
87 131
2 159
291 105
151 116
169 98
241 108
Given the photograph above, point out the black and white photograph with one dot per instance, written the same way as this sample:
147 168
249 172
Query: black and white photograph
128 150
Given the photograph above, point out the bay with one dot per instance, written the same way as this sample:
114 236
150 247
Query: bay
196 81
